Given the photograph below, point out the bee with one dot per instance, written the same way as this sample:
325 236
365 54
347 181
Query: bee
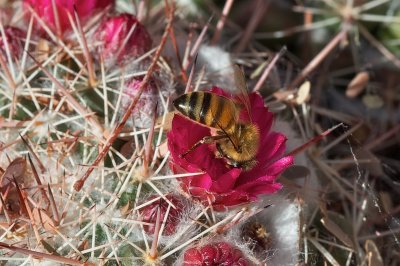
236 140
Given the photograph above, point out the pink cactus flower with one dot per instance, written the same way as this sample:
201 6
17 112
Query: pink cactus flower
14 38
220 253
149 214
122 36
45 10
222 184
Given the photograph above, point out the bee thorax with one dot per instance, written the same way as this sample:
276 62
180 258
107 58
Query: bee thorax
244 151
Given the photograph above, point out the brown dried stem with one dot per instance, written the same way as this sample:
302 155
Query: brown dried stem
37 178
40 254
313 141
260 9
153 250
268 69
148 145
85 49
319 58
221 21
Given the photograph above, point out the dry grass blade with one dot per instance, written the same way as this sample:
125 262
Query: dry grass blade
337 231
328 256
53 206
32 151
16 169
41 217
37 178
303 93
373 255
357 84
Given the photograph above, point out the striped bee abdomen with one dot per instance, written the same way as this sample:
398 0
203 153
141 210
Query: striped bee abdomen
208 109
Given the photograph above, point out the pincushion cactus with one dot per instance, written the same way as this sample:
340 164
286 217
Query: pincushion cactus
85 143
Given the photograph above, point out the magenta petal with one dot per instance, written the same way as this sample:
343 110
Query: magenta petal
271 146
203 181
44 9
264 188
183 136
274 169
279 166
226 182
257 102
266 178
219 91
232 198
258 188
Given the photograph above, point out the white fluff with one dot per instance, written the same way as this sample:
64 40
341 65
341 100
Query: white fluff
218 65
283 221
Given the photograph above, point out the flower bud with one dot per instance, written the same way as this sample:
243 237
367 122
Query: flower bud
149 214
219 253
122 36
46 11
13 36
142 115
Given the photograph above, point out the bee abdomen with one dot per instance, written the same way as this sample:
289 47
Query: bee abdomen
196 106
205 108
208 109
188 105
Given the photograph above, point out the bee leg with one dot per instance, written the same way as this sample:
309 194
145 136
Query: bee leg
205 140
219 154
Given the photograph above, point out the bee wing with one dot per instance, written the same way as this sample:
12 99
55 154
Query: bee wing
224 131
241 86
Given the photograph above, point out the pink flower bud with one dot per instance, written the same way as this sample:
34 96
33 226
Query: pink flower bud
149 214
122 36
142 115
46 11
13 37
220 253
